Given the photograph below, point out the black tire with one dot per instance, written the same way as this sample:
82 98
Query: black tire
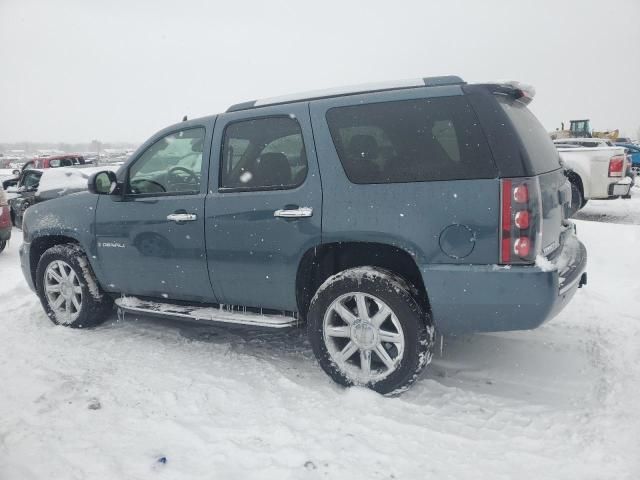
577 193
3 245
403 300
95 305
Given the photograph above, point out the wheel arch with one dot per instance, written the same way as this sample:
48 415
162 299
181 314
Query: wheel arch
322 261
577 176
41 244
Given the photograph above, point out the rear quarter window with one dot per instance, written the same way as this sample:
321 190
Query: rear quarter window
419 140
536 142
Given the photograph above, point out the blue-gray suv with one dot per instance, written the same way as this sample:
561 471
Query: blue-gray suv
375 215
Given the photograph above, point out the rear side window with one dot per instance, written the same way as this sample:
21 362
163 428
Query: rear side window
537 144
263 154
410 141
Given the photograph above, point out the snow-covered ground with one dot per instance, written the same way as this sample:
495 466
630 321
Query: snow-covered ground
560 402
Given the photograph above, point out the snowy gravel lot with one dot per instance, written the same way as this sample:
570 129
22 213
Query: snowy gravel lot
559 402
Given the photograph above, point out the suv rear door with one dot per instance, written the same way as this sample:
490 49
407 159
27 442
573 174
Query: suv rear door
522 147
542 160
264 207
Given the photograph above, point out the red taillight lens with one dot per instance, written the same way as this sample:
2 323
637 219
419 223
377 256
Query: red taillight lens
5 217
521 219
522 247
616 166
505 214
521 193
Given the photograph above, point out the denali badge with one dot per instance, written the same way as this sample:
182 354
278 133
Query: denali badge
550 248
111 245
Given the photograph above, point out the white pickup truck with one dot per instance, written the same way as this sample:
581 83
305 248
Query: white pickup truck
601 172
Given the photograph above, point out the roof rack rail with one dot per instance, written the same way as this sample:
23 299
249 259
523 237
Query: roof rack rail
441 81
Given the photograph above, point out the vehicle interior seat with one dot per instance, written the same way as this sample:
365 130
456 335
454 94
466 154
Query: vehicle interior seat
272 169
361 152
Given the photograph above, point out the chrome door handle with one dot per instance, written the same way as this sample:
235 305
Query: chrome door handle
294 212
182 217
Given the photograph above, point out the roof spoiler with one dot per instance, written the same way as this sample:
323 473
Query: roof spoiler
518 91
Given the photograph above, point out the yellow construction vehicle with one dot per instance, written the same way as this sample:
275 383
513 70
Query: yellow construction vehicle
582 129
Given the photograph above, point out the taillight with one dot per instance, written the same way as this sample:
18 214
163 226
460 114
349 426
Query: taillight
5 217
520 224
616 166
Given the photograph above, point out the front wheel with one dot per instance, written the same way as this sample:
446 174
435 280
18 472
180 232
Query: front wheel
367 327
68 289
3 244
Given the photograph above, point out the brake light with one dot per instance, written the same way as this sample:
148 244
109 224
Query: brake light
616 166
5 217
522 247
521 193
520 224
521 219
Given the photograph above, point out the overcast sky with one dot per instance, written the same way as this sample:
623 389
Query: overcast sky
120 70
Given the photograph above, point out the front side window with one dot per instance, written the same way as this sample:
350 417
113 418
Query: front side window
410 141
263 154
171 165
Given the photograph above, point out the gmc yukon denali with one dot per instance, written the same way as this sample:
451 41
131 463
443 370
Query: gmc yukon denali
375 215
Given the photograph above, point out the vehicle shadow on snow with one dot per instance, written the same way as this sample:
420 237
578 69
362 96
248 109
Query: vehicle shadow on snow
626 211
547 366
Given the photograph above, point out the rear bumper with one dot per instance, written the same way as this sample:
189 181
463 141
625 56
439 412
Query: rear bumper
620 188
492 298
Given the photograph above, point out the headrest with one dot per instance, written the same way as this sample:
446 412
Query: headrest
196 145
363 146
272 169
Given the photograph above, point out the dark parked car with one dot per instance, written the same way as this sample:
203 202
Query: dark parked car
5 220
375 215
24 194
36 186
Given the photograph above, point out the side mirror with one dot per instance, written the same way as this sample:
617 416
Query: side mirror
15 172
104 183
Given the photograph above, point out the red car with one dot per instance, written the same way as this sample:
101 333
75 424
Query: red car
66 160
5 220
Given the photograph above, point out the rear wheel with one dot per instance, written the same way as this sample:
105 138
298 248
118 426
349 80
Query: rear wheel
577 192
367 328
68 289
3 244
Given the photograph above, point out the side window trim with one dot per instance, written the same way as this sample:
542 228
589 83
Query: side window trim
221 162
127 172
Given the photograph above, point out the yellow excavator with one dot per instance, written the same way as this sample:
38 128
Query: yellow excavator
582 129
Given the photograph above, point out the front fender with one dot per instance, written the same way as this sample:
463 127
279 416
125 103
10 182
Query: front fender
70 217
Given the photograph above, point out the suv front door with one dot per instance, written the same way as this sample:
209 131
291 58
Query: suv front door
150 242
264 209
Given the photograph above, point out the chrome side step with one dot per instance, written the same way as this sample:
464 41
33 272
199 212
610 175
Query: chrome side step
220 314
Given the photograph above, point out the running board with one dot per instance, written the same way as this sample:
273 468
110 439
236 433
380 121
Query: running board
221 314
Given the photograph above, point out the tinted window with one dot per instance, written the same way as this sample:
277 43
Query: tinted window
263 153
537 144
31 179
173 164
410 141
